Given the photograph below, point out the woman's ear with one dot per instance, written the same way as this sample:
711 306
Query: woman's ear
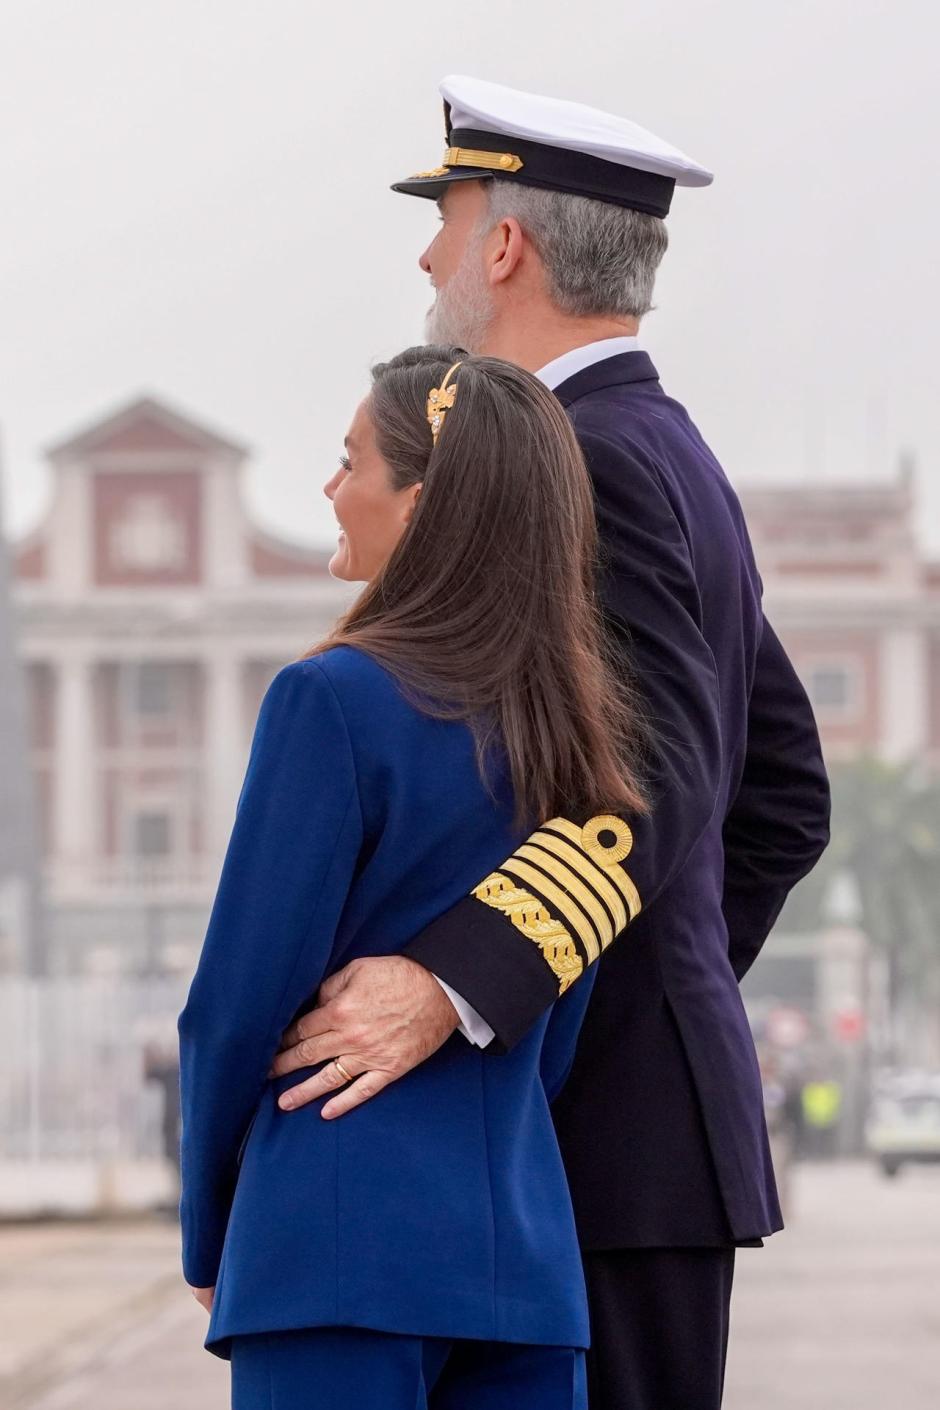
411 500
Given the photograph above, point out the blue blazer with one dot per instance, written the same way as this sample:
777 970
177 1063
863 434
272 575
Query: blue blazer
442 1208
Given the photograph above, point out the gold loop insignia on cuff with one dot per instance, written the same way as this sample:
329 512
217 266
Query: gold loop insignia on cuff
530 917
591 870
606 854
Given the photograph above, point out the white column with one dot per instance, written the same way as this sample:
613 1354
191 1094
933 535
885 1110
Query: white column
71 532
224 528
904 693
76 801
226 746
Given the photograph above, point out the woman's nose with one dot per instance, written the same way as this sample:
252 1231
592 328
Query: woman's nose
329 489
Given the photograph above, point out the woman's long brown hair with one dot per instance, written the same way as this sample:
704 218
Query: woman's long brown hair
486 610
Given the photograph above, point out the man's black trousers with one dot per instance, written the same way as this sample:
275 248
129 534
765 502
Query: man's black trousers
659 1327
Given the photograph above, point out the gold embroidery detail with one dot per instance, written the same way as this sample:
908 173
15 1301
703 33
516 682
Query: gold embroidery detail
576 873
606 854
465 156
563 904
631 895
490 161
592 874
573 884
613 870
530 917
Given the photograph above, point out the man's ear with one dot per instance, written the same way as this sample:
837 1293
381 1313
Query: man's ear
506 250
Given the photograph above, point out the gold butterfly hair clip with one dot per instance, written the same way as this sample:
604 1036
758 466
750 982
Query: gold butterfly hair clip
440 401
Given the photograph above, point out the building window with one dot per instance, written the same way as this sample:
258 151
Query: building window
834 688
830 687
154 692
151 834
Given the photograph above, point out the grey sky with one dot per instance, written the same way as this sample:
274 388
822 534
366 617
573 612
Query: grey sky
195 204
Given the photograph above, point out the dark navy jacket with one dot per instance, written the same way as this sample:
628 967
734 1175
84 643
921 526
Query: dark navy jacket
440 1209
666 1072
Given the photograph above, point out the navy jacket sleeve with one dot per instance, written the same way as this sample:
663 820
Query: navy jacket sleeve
528 930
778 825
284 881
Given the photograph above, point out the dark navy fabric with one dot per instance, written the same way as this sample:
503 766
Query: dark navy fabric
348 1369
659 1327
665 1067
441 1208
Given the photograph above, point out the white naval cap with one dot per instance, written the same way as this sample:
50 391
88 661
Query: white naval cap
494 131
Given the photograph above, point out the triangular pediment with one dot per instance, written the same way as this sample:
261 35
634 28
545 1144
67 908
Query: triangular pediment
275 557
145 426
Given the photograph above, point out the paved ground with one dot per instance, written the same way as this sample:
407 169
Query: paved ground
96 1315
841 1313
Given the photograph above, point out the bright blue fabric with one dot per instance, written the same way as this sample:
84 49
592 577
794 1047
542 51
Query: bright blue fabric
347 1369
440 1208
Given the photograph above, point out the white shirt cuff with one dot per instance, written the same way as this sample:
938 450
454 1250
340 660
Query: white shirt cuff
474 1028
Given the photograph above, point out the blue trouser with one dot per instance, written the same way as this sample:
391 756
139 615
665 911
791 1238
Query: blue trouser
345 1368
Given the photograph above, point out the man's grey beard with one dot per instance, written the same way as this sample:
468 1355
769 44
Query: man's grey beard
463 310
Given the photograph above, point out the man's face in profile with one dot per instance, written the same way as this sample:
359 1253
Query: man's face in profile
463 308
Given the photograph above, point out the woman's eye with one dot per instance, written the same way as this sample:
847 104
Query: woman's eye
344 462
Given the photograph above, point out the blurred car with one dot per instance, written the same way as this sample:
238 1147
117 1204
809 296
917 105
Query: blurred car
904 1125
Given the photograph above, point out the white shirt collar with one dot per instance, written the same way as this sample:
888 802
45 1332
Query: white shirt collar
561 368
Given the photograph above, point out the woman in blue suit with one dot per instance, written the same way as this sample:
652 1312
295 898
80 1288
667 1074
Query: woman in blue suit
422 1251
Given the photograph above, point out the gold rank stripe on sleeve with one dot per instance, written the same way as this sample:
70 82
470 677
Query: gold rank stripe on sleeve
575 859
533 920
613 870
563 905
566 884
556 869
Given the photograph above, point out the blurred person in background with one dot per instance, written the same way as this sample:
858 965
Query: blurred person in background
161 1066
552 230
821 1113
425 1251
782 1108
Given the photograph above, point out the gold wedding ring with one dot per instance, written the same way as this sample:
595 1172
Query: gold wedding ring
347 1076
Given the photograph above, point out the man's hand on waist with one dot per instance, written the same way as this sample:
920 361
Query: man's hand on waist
380 1017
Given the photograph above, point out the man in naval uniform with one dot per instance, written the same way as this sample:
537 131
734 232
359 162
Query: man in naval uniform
552 231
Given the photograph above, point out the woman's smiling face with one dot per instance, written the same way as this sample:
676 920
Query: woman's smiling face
371 513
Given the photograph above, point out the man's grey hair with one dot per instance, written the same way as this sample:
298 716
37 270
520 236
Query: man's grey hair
600 259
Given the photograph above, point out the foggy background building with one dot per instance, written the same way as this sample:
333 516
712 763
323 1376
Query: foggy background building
152 614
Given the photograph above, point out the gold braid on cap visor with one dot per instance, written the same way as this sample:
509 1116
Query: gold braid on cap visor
440 401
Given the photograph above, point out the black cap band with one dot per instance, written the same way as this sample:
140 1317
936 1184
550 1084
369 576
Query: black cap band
553 169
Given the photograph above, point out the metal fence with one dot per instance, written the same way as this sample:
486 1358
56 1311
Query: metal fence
78 1059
